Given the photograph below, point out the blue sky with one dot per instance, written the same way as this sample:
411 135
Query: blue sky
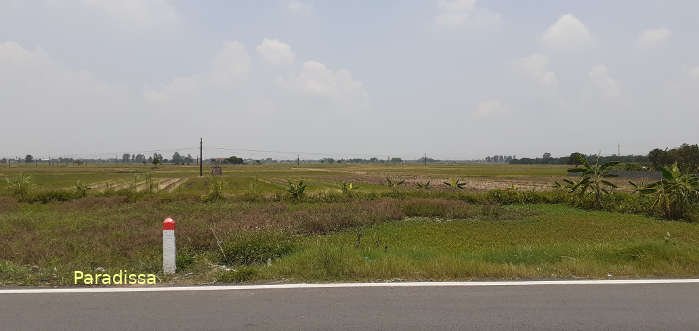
458 79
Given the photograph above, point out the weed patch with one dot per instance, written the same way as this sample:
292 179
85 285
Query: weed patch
254 247
239 275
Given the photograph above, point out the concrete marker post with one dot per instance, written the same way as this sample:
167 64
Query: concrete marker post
169 266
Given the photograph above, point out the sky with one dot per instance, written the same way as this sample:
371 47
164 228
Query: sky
456 79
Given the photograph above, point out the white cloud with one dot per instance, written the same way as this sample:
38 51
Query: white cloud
599 75
231 64
134 13
299 7
568 33
41 95
455 13
229 67
490 108
651 38
35 77
276 52
535 67
316 79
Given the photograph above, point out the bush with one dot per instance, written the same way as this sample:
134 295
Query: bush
215 191
676 194
255 247
297 191
20 186
81 189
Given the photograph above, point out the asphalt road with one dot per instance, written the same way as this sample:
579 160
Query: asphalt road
540 307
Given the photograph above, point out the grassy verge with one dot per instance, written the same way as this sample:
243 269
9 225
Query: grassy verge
550 241
381 239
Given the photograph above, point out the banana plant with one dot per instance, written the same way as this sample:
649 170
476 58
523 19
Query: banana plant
394 184
81 189
347 188
297 190
593 178
568 184
455 183
674 193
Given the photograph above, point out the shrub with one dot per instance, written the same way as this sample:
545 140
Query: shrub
675 194
20 186
297 190
254 247
81 189
347 188
215 190
455 184
423 186
394 184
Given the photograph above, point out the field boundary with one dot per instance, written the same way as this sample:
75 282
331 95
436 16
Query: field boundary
348 285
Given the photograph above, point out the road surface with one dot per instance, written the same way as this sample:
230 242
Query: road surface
538 307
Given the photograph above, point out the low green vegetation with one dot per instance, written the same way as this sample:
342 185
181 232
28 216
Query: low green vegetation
260 223
534 242
675 194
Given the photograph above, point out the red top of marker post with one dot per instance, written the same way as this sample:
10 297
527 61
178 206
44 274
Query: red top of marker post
168 224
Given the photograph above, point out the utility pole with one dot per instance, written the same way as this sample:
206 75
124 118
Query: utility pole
618 150
201 157
298 160
425 160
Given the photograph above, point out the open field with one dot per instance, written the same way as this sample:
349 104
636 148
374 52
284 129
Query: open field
256 233
476 176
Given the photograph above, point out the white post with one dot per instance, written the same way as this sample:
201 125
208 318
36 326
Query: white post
169 246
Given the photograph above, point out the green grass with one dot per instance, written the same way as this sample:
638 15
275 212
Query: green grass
554 242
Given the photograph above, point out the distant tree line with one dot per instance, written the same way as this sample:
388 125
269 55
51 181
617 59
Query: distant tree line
686 156
141 158
330 160
573 160
499 158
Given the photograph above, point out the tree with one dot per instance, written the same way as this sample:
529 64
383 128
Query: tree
188 159
574 159
233 160
156 160
686 156
28 158
140 158
126 157
177 158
